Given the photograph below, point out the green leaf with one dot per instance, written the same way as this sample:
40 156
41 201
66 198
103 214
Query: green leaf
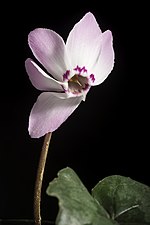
76 205
127 201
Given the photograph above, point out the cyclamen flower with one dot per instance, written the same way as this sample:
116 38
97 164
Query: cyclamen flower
71 68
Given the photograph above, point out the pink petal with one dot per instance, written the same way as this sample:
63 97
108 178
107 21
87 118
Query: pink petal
40 79
49 112
105 62
49 48
83 42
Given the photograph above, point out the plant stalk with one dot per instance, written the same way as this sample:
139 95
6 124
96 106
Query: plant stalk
39 179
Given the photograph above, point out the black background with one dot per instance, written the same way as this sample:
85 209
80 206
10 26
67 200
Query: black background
106 135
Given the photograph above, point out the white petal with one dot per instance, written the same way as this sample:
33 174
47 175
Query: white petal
40 79
105 61
83 43
49 48
49 112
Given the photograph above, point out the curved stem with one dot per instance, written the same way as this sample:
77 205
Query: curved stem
39 179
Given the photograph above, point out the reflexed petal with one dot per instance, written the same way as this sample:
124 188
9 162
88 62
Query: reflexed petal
83 43
40 79
49 112
49 48
105 62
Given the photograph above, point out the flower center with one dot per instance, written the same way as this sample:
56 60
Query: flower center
77 83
